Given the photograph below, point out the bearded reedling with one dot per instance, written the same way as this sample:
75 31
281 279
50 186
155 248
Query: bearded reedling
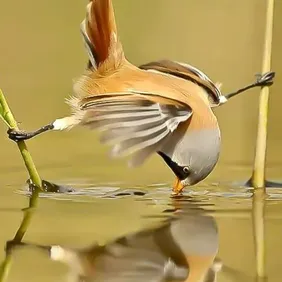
162 107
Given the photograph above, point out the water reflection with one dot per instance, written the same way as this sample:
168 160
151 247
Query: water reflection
20 233
182 247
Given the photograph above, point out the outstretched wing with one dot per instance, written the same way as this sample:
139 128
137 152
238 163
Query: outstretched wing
134 123
187 72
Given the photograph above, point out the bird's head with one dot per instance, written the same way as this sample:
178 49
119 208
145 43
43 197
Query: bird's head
193 161
190 174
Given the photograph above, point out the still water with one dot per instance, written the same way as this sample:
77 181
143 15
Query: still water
120 224
121 232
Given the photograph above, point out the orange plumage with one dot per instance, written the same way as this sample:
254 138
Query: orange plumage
111 82
161 107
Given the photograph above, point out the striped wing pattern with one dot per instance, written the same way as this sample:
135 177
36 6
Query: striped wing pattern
134 125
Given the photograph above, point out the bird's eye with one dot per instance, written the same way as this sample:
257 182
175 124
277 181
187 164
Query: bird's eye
186 169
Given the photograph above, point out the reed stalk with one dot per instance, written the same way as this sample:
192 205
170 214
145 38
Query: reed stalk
258 176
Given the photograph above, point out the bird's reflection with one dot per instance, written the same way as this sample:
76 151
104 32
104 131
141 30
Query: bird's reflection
181 248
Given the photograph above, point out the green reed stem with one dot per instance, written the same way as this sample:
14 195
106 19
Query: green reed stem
9 119
258 177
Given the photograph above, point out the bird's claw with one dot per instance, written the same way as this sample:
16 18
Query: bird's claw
17 135
265 79
12 245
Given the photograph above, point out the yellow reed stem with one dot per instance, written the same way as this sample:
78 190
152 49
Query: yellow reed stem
258 177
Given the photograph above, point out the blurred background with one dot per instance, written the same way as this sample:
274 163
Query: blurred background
41 51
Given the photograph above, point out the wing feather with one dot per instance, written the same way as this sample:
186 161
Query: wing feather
134 125
132 145
187 72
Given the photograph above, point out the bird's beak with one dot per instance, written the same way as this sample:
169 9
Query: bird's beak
177 187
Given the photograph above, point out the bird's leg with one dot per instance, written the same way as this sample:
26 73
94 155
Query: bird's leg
13 245
20 135
58 124
262 80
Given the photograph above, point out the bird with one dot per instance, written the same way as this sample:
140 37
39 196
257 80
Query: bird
163 107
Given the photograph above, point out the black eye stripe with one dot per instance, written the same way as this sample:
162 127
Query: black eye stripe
179 171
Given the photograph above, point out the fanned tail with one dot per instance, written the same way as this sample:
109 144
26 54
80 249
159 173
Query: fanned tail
100 34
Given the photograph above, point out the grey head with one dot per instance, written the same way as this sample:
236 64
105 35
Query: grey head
192 156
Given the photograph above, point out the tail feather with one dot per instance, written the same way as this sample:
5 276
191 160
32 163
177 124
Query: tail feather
99 31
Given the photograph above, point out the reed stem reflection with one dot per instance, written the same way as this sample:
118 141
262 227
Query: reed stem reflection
259 232
28 213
